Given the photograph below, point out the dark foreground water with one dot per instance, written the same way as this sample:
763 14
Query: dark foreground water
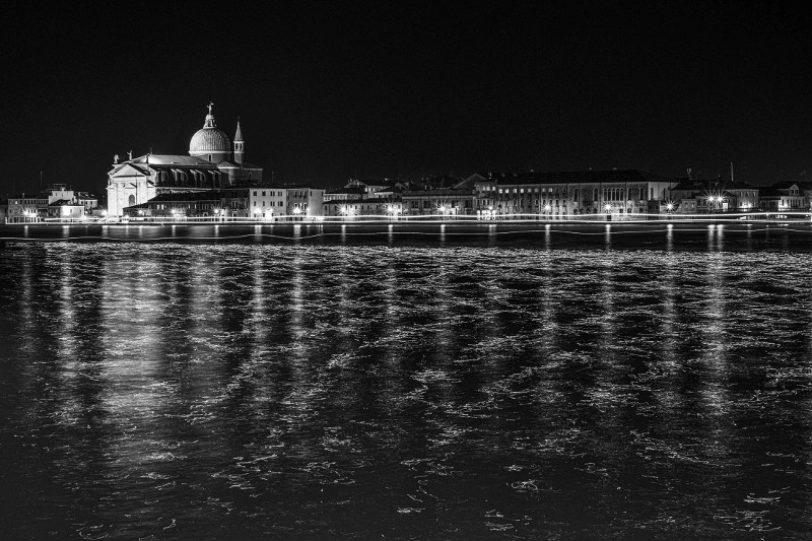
325 392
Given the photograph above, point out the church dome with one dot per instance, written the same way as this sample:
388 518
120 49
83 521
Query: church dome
210 139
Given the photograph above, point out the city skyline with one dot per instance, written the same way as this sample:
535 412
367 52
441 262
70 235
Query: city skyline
325 93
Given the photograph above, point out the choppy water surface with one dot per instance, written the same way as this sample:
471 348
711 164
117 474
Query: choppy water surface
247 392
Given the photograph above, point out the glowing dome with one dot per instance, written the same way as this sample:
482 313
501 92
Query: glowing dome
210 140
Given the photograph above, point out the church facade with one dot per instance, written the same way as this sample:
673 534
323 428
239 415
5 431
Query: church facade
214 162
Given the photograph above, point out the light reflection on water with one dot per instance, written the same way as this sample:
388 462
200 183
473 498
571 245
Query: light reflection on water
210 392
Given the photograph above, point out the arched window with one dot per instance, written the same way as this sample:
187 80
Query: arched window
131 201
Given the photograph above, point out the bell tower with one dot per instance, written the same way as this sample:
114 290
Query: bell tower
239 145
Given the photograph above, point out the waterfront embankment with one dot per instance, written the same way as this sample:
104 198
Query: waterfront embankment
718 232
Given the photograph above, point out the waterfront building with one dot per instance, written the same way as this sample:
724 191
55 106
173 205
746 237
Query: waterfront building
214 163
27 208
573 193
87 200
200 204
783 196
439 202
56 201
66 209
371 206
285 200
346 193
806 190
701 196
59 192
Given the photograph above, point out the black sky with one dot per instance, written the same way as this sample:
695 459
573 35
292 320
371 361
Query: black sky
331 90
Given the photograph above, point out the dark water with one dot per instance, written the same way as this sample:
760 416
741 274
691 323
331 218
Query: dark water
318 392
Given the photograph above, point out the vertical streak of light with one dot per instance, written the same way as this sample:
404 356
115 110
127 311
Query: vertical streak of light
67 313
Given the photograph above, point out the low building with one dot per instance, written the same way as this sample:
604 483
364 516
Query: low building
346 193
701 196
207 204
285 200
783 197
375 207
439 202
87 200
65 209
571 194
27 208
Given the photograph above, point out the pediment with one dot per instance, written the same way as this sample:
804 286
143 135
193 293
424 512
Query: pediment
128 170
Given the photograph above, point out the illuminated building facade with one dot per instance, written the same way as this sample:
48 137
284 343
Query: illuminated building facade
570 194
214 162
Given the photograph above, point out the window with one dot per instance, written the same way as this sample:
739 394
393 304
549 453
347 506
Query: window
263 194
255 193
131 200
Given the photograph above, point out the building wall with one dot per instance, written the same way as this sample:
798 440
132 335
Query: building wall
562 199
264 202
119 190
27 207
438 204
269 201
376 207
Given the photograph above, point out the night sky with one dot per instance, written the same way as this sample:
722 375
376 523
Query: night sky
327 91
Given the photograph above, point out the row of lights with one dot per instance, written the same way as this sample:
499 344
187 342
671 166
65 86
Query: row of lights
394 210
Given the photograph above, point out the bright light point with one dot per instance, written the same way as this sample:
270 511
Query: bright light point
297 210
670 206
547 208
608 207
442 209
